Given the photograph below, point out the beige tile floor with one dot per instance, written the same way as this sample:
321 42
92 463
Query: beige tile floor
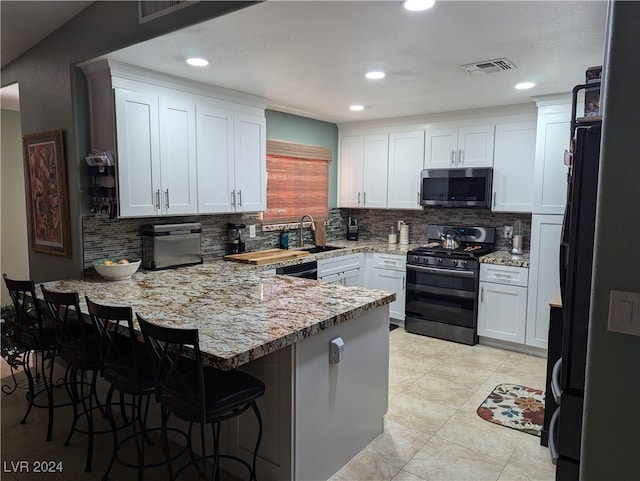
432 432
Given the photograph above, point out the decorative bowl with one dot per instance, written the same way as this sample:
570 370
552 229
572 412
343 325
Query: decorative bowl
116 269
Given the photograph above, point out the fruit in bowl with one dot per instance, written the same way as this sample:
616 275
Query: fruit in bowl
116 269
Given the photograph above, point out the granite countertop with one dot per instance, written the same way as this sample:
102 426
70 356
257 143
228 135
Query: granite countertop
241 313
506 258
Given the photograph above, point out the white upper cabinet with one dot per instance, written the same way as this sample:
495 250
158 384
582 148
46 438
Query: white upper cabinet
138 153
459 147
406 160
250 162
215 159
550 179
181 147
363 171
231 161
179 191
156 155
513 167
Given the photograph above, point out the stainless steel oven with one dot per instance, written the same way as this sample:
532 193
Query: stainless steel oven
442 284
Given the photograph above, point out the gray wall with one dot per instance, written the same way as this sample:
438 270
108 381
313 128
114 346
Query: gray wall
611 429
15 258
53 95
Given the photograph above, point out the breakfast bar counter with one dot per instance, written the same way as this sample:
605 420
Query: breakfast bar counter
278 329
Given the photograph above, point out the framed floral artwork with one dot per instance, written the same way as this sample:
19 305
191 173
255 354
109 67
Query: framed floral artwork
46 189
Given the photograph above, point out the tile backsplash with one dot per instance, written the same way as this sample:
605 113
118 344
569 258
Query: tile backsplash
122 237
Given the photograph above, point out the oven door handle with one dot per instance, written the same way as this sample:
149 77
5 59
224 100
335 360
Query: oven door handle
441 270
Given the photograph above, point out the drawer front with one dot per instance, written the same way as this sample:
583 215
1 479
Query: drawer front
339 264
499 274
389 261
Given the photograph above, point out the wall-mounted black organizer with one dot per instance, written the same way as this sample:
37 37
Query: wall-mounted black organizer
102 191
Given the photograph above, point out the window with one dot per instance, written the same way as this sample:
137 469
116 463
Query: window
297 182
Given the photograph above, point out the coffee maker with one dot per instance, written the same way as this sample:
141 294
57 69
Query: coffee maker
235 244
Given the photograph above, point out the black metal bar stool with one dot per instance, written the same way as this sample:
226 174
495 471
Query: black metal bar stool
36 335
198 394
78 346
126 365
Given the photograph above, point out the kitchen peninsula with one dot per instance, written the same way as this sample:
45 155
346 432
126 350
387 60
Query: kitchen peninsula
278 329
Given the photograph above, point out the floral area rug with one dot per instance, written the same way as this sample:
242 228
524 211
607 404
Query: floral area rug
516 407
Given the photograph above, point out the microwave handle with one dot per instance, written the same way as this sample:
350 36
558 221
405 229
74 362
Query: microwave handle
453 153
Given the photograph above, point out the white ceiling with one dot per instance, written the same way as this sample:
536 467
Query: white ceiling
309 57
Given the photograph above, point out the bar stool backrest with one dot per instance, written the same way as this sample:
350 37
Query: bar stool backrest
178 370
28 314
72 333
122 357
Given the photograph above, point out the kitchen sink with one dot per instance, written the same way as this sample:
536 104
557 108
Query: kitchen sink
316 249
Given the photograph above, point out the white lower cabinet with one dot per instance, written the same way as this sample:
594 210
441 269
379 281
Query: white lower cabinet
388 273
502 310
345 270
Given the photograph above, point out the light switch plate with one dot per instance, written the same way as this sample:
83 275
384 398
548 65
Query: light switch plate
624 312
252 231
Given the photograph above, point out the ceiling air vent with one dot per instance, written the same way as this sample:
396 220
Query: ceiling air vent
488 66
150 10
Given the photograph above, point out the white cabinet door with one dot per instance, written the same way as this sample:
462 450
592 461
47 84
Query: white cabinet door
363 171
351 171
513 167
475 146
441 147
215 151
550 180
374 185
462 147
393 281
502 312
250 163
351 278
406 160
544 276
331 279
179 191
138 153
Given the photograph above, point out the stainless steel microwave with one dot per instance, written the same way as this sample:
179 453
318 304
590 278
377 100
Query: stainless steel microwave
456 187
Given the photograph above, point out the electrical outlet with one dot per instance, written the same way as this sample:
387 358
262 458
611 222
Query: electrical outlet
508 231
252 231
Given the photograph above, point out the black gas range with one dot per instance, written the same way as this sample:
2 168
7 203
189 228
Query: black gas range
442 283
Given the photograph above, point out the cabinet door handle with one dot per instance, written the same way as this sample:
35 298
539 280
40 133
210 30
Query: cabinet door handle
240 198
158 199
233 198
166 193
418 198
404 281
358 198
482 294
453 153
494 199
364 198
460 157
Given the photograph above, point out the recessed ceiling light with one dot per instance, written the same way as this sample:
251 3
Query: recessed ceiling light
356 108
525 85
375 75
418 5
197 62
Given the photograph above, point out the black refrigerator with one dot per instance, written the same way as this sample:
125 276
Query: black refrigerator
576 261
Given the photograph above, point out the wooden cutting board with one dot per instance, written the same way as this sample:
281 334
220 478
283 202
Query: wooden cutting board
265 256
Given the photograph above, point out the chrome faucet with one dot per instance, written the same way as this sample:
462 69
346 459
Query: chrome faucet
313 228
